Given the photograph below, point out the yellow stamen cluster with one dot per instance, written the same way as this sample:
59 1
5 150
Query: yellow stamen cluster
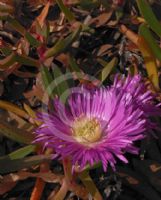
86 130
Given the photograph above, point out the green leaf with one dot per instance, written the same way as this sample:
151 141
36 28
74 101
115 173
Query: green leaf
32 114
15 134
102 62
149 16
34 42
26 60
94 166
8 61
73 65
13 108
89 184
119 14
146 33
75 68
20 153
68 14
13 57
92 4
7 165
62 44
60 84
107 69
47 80
44 31
19 28
16 25
5 50
150 62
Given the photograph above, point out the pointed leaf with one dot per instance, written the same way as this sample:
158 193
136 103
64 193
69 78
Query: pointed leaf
31 113
7 165
146 33
25 60
107 69
15 134
75 68
20 153
73 65
149 16
68 14
34 42
60 84
149 58
13 57
150 62
19 28
47 80
16 25
5 50
13 108
8 61
62 44
88 182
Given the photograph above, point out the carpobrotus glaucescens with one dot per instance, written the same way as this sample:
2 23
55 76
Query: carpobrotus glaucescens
99 125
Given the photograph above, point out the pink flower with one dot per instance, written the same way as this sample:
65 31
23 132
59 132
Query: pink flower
99 125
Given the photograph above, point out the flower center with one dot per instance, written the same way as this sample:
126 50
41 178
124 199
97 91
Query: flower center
86 130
